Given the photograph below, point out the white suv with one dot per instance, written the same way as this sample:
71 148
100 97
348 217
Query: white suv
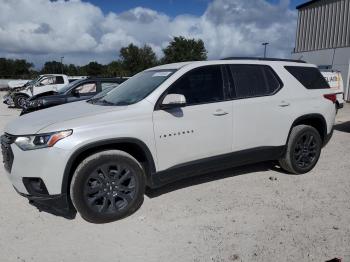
165 123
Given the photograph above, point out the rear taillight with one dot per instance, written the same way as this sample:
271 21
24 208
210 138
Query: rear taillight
332 97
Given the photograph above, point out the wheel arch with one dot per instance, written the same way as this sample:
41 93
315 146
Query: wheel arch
315 120
20 94
134 147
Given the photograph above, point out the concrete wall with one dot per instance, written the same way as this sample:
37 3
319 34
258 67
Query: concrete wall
325 57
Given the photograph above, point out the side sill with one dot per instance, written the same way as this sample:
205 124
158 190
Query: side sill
211 164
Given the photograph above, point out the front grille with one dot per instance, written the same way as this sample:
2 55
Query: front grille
7 155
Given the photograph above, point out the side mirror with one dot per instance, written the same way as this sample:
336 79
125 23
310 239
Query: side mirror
173 101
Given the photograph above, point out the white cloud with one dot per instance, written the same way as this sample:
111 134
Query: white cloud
41 29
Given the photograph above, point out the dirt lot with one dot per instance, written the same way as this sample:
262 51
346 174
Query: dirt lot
253 213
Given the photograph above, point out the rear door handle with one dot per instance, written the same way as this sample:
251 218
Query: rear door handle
220 112
284 104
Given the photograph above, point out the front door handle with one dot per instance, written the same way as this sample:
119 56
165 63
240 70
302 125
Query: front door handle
284 104
220 112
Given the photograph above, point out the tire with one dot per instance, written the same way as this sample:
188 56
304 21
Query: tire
303 150
20 100
107 186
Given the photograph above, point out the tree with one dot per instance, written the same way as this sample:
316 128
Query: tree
135 59
181 49
116 69
71 70
51 67
15 68
94 69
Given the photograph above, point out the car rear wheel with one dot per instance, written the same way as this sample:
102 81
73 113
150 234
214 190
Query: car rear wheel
303 150
108 186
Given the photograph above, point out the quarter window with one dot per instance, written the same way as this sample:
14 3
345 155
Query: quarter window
254 80
200 85
309 77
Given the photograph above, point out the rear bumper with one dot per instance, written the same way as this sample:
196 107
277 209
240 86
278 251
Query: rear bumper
340 105
58 205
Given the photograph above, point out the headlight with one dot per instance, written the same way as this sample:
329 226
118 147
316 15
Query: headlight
41 141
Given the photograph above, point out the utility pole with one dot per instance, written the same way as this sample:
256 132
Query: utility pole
62 64
265 45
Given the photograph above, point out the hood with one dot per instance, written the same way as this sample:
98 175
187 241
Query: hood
17 83
36 121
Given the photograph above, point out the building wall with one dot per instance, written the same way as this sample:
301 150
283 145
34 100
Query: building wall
322 25
324 57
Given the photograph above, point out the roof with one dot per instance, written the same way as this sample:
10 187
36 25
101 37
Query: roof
231 60
264 59
307 4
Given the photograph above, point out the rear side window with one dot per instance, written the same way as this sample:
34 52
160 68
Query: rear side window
309 77
254 80
200 85
59 80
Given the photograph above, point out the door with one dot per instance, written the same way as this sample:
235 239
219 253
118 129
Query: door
46 84
83 91
203 128
260 111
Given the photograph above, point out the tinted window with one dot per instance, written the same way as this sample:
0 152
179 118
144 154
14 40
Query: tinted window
254 80
309 77
59 80
201 85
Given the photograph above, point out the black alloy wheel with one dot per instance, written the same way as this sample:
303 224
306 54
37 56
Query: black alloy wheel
110 188
305 150
107 186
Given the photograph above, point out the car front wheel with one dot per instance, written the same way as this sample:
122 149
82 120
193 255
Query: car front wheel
20 101
108 186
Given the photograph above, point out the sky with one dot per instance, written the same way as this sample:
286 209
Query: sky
95 30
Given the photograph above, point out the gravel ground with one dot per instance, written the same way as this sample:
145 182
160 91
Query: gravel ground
252 213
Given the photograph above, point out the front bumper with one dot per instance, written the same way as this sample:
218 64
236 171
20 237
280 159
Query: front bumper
38 175
58 205
7 99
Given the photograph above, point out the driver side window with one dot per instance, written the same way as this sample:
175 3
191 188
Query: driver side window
201 85
47 81
86 88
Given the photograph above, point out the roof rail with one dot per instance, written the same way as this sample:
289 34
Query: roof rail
263 59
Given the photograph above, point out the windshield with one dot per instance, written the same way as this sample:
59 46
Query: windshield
136 88
32 82
104 92
67 87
